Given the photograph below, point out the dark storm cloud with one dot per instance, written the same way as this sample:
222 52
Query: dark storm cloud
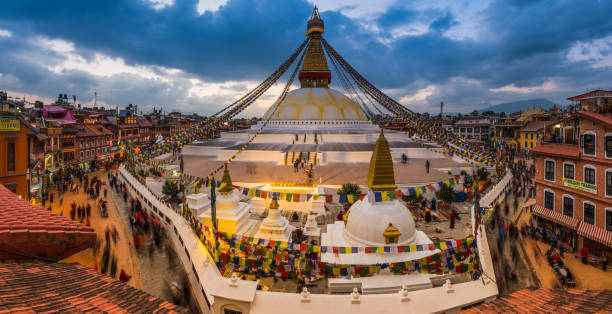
520 42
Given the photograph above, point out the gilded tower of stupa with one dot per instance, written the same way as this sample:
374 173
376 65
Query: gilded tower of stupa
314 71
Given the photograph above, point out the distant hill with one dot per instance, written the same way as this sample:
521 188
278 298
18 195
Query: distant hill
520 105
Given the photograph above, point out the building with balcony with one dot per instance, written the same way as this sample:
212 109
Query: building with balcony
531 133
574 181
479 128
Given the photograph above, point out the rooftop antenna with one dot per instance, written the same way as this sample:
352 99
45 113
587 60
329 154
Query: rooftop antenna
95 98
441 109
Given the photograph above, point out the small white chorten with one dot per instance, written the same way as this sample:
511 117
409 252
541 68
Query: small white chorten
275 227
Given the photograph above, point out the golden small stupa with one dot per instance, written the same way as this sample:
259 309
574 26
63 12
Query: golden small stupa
381 176
227 180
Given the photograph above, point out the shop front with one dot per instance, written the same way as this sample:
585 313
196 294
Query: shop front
552 225
596 240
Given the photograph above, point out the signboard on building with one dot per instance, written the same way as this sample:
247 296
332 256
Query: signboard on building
10 125
579 185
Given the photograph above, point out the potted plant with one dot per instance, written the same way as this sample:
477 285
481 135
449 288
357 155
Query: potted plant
170 189
446 194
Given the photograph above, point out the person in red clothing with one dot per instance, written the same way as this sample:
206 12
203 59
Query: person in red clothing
584 254
453 215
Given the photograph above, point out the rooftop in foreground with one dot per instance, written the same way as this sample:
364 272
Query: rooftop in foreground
60 287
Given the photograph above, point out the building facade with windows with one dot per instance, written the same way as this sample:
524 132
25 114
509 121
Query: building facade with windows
15 137
530 134
574 179
93 144
480 128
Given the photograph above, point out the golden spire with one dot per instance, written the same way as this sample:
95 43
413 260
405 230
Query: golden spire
227 180
274 204
315 72
381 176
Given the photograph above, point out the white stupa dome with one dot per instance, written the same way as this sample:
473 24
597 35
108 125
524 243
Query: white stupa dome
368 221
316 104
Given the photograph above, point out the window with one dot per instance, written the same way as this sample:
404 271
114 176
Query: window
10 156
589 174
568 171
531 135
549 200
608 146
549 170
81 154
588 143
609 183
568 206
531 144
609 219
469 130
226 311
589 213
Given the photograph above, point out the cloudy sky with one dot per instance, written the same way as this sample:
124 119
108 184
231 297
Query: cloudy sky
200 55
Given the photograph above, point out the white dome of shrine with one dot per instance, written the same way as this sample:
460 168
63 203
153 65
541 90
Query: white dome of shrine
316 104
367 222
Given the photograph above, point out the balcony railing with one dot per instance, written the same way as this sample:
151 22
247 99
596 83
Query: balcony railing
556 140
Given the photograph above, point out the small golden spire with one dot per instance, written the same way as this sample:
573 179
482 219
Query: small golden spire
381 176
227 180
274 204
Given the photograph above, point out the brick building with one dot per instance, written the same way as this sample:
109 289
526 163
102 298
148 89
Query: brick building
15 137
574 180
93 144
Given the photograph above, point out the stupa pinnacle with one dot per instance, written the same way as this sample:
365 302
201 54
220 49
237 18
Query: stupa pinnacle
314 71
227 180
381 176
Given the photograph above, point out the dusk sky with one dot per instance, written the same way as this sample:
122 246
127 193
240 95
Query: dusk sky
199 56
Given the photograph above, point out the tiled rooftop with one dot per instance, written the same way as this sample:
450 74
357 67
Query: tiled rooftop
549 301
28 231
35 287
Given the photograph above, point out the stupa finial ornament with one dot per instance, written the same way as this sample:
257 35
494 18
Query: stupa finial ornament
226 181
315 72
381 176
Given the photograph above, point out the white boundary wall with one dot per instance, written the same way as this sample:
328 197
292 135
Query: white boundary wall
215 293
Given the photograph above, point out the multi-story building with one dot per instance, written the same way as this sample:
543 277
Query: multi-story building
15 137
93 144
507 132
574 180
530 134
144 132
480 128
68 153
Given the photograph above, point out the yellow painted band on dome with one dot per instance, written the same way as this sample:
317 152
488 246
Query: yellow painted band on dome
315 29
317 104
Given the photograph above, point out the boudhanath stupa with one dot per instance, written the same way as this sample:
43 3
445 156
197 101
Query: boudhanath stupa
322 127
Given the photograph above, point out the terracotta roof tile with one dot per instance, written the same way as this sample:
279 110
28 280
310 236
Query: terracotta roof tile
58 287
549 301
28 231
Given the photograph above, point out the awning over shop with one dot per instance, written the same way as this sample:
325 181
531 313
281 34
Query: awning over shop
556 217
595 233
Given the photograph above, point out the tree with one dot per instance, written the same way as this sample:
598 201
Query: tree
170 188
349 188
446 193
482 173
